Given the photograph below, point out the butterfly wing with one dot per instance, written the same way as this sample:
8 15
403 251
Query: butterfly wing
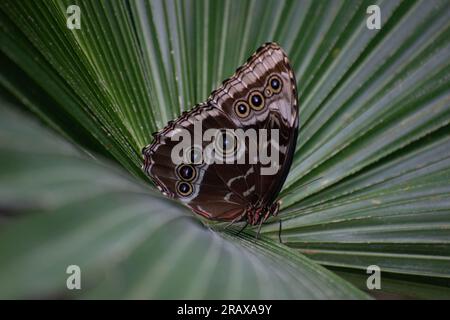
215 191
260 95
268 74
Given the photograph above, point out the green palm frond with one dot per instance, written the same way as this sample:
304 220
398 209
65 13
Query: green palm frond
373 148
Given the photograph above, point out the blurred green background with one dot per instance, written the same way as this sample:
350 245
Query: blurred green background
78 105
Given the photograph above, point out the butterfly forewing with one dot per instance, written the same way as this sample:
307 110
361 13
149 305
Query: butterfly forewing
280 110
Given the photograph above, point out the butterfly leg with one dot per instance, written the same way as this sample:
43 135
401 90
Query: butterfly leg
263 219
242 229
239 218
259 229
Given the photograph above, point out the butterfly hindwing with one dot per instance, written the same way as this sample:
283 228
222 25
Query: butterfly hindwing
216 193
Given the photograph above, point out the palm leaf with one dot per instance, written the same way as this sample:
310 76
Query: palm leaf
128 241
369 182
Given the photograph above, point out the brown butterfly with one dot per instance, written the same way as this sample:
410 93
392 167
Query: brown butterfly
261 95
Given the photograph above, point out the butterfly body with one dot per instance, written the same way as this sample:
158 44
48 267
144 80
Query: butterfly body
258 101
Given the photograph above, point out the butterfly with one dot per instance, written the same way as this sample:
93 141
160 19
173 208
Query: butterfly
260 97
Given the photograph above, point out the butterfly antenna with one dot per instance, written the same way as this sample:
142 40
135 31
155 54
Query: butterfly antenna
306 184
279 232
303 185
